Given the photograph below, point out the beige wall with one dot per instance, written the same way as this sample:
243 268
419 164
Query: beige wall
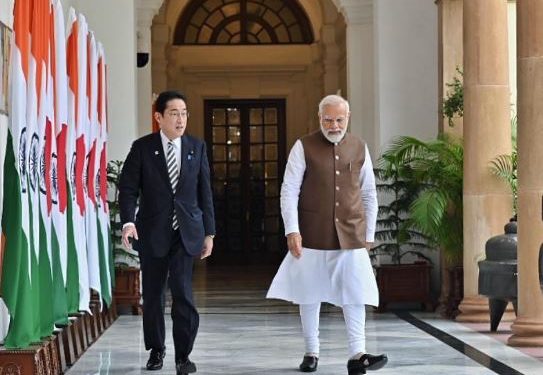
255 72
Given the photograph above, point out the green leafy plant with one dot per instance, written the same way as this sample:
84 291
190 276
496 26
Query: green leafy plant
505 166
396 237
453 104
437 168
122 256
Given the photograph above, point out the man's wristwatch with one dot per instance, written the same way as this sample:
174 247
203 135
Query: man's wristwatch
212 236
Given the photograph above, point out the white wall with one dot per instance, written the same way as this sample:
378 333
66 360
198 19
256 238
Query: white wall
407 69
406 82
145 90
6 12
114 24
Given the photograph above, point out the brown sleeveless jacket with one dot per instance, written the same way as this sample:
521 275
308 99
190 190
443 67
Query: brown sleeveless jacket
330 211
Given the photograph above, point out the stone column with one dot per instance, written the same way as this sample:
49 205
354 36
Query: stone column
487 133
450 55
146 10
528 327
358 15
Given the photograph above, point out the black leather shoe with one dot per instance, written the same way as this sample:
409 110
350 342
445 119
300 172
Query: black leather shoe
309 363
185 368
155 361
366 362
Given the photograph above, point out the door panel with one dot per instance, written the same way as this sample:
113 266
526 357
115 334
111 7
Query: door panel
247 154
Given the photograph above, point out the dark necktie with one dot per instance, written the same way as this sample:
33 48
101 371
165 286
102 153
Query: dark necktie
173 172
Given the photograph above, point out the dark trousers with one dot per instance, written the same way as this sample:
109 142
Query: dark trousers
176 267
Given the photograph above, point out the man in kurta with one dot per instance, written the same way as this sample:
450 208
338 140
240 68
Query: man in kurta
329 208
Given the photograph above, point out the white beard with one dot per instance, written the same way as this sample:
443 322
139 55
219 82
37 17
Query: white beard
334 138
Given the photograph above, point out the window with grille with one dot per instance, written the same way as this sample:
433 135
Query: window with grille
243 22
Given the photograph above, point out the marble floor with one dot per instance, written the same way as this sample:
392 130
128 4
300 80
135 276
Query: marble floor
241 333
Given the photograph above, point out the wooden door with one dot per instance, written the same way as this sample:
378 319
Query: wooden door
246 140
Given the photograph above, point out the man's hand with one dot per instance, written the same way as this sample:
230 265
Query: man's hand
294 243
368 245
129 231
208 247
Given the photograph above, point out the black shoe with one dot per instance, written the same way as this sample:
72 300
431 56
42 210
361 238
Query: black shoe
366 362
309 363
155 361
185 368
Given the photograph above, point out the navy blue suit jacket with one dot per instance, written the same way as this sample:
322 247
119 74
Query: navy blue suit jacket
145 177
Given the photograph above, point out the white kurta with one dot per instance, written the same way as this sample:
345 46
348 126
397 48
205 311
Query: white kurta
339 277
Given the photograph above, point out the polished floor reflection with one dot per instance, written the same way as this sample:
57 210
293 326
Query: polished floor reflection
242 333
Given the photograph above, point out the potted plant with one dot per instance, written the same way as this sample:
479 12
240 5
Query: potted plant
397 238
126 290
436 167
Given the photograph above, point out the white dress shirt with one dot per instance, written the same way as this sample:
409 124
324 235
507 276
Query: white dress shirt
177 147
292 182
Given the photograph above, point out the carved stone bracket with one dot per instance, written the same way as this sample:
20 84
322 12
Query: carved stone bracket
359 12
146 11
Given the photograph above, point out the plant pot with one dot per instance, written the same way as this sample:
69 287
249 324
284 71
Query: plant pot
404 283
456 291
127 288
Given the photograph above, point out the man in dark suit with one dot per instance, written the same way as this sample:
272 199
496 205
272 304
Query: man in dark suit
168 172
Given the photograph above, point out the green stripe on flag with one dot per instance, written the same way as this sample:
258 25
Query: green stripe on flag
45 285
104 265
60 306
72 282
16 286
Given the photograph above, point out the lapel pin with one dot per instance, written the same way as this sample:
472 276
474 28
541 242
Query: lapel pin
156 152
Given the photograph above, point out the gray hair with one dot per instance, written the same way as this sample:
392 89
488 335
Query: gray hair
333 100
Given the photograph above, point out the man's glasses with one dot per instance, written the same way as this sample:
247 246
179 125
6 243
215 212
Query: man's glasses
328 121
177 114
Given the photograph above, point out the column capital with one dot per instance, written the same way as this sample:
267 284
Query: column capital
356 12
146 10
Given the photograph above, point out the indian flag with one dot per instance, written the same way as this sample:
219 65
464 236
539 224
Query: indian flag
40 166
67 135
77 84
101 182
58 218
17 272
91 137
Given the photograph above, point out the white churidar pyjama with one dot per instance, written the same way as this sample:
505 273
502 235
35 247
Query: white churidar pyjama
355 323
